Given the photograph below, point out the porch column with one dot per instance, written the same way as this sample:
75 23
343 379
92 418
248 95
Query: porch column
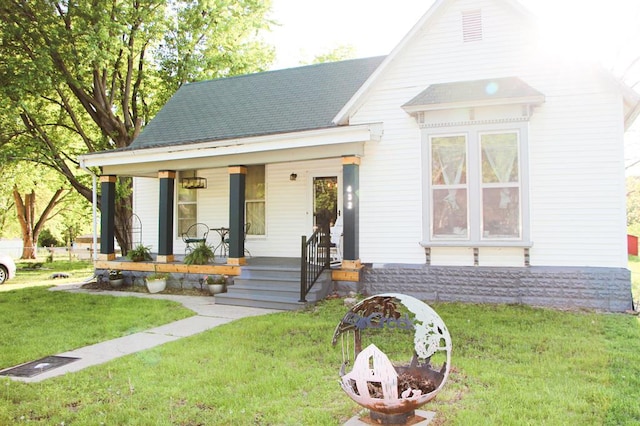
107 217
165 216
351 212
237 180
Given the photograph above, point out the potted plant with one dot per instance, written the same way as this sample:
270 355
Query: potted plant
217 284
139 253
156 282
200 255
116 279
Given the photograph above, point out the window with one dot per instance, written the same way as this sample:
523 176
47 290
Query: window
187 205
475 185
500 185
255 213
449 187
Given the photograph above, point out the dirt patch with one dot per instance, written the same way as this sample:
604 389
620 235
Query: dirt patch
141 289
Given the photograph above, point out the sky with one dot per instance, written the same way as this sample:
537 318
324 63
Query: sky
307 28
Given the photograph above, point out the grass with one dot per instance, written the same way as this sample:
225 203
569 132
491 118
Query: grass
32 273
511 365
634 267
37 322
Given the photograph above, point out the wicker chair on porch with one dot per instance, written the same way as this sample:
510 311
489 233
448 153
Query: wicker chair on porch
196 234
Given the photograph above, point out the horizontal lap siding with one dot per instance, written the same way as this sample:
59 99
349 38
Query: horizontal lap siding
145 205
575 145
289 206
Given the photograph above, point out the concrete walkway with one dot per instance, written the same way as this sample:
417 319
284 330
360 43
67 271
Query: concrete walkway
208 315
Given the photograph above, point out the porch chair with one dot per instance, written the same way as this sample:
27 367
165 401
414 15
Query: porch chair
196 234
246 230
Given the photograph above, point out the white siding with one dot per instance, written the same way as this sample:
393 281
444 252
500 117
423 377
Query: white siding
575 146
575 152
146 197
288 206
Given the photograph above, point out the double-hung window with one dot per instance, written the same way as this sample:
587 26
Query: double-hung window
187 204
477 192
255 206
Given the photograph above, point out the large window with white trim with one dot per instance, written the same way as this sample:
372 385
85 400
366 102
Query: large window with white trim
187 204
255 206
475 186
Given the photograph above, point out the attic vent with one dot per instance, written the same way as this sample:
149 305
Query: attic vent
471 25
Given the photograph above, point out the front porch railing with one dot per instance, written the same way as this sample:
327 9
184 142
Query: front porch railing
314 260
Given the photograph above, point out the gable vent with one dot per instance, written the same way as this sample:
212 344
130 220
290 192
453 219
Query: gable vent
471 25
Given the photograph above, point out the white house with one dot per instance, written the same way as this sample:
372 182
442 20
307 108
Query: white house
468 164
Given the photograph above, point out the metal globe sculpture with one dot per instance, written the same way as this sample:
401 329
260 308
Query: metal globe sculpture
392 392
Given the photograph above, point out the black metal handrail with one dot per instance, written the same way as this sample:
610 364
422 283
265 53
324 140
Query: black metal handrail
314 260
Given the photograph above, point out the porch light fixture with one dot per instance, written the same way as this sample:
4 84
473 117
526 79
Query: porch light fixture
193 183
293 176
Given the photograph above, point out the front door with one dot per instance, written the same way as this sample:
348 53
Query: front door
325 202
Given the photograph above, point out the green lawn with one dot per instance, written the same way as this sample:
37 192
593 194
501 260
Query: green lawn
37 322
32 273
634 267
511 365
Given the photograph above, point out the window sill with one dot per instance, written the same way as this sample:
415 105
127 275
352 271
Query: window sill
453 243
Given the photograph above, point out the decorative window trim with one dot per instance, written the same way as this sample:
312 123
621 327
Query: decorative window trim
475 239
424 125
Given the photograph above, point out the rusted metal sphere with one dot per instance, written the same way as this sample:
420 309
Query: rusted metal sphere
374 382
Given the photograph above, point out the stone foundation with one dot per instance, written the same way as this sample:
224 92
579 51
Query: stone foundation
604 289
177 280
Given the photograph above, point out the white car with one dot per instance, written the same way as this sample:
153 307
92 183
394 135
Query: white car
7 268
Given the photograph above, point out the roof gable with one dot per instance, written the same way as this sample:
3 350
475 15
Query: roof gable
438 7
271 102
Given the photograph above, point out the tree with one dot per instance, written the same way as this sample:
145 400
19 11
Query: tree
80 77
30 224
339 53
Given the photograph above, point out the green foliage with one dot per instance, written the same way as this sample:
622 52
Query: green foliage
79 77
47 239
633 204
200 255
340 53
140 253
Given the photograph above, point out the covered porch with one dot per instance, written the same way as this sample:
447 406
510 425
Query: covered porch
292 164
266 282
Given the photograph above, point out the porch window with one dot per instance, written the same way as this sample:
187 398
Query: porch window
187 205
475 185
255 212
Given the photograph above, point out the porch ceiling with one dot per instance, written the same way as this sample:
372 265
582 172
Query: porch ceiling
311 145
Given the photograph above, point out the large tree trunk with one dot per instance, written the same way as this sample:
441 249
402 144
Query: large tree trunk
26 216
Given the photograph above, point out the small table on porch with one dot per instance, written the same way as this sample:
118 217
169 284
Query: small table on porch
223 245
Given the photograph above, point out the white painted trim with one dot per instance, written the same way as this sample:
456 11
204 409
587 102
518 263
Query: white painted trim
529 100
321 137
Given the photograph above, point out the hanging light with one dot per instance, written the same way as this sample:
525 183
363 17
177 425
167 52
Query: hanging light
193 182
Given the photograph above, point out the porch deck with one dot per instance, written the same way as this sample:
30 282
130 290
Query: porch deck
265 282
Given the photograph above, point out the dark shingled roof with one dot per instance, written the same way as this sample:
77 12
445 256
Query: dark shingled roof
478 90
288 100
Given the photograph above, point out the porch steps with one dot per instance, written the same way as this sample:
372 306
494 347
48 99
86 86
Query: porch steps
273 287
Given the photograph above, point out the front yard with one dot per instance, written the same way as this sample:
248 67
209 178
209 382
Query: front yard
511 365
